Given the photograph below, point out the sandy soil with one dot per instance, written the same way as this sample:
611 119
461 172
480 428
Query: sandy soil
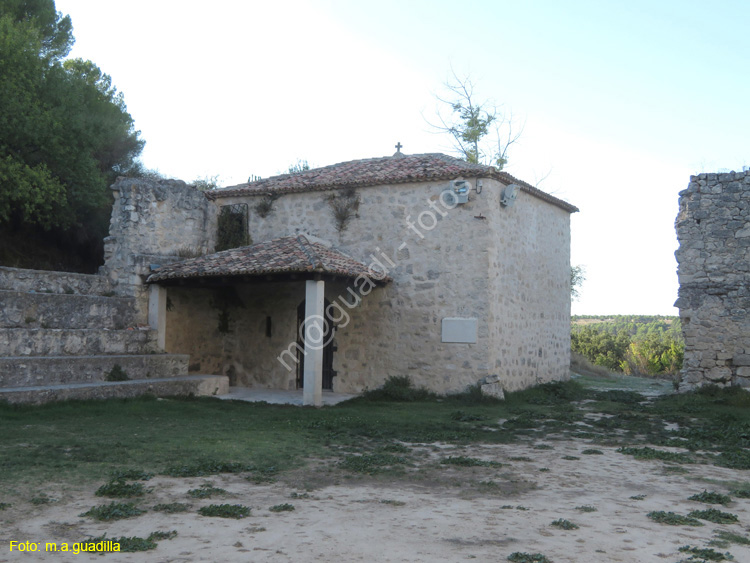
436 513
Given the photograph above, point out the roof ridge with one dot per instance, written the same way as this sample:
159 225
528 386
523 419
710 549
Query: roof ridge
310 253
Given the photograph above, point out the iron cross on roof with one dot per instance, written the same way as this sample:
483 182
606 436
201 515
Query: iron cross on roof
399 146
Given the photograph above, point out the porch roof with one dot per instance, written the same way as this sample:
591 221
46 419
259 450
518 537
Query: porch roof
287 255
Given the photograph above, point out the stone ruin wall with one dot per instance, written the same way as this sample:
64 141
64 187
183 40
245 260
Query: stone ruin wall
154 222
713 229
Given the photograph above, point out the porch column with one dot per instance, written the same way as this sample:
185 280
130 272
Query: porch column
313 334
157 313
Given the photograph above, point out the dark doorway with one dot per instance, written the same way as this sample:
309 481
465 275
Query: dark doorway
328 350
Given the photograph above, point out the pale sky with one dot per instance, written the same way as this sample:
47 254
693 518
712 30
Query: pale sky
622 101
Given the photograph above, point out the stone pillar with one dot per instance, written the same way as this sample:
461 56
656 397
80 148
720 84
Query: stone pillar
157 313
314 337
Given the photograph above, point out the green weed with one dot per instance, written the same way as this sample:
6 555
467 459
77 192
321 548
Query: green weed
711 498
673 519
523 557
286 507
113 511
715 516
206 490
127 544
225 511
117 374
729 537
564 524
158 536
701 554
120 489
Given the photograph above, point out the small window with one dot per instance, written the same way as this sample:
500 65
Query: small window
232 227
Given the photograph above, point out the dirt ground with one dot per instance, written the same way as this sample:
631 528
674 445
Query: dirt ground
433 513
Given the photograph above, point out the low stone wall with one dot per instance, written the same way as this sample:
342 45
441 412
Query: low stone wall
40 281
43 310
713 229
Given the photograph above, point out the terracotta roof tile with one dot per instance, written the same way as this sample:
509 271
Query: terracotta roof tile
282 255
379 171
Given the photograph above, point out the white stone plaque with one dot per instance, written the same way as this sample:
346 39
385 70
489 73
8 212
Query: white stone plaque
456 329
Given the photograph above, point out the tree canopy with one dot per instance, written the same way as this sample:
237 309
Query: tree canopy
470 123
65 132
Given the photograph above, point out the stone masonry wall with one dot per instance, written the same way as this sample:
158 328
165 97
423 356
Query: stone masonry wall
508 268
154 222
713 229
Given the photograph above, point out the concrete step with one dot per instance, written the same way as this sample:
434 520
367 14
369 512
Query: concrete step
45 310
199 385
65 342
42 281
27 371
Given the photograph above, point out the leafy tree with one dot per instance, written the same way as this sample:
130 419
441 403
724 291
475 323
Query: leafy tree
577 277
471 121
65 133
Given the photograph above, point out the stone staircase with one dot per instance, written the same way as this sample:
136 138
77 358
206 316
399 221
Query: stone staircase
69 336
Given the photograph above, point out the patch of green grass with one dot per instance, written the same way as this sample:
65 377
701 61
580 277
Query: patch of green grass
393 502
4 505
571 457
371 463
113 511
206 490
41 499
225 511
172 507
564 524
733 459
206 467
701 554
620 396
715 516
651 453
673 519
520 458
638 497
591 451
463 461
286 507
711 497
120 489
523 557
463 416
586 508
398 388
131 475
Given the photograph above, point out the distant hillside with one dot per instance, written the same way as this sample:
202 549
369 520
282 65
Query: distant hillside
634 344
